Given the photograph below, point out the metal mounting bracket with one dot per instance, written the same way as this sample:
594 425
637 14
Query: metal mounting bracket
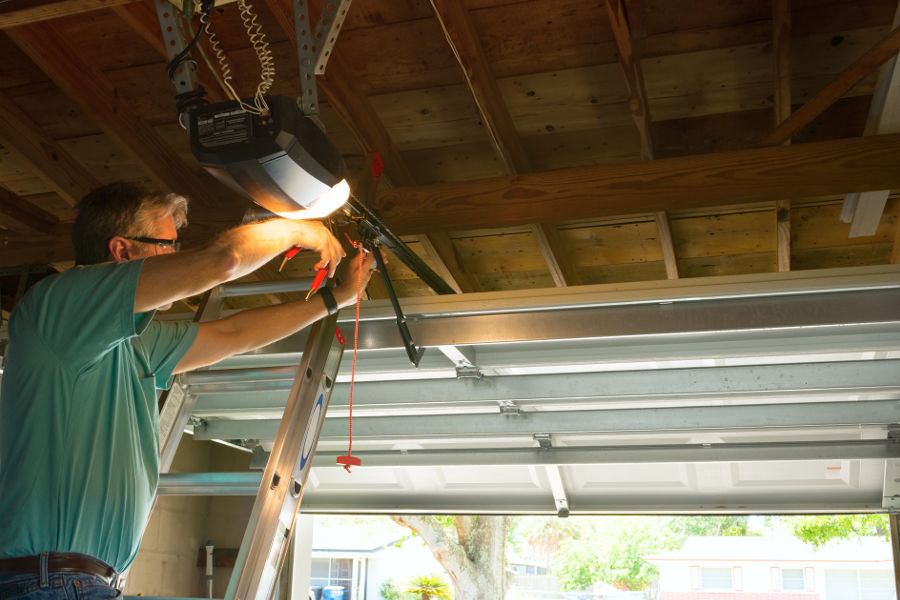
314 47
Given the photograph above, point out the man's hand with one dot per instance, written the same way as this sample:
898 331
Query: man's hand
315 236
345 293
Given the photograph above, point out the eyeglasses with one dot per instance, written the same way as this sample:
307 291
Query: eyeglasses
161 242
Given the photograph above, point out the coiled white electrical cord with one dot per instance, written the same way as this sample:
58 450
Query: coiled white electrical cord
260 46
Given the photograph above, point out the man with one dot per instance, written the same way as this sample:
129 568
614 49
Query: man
79 455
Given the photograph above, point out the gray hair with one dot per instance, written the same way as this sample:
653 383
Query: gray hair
121 208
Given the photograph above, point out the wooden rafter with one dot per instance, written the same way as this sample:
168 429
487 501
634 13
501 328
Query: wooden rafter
96 96
630 61
625 19
756 175
50 161
23 12
440 250
834 91
466 46
781 39
34 218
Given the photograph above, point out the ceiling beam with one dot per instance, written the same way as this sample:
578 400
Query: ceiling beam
834 91
23 12
97 97
755 175
21 211
48 160
459 31
781 40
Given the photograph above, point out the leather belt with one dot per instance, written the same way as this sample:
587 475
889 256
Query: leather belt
61 562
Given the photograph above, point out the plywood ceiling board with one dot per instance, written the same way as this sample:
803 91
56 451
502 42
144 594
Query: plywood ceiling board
106 42
524 37
403 56
569 100
626 243
430 118
832 258
473 160
52 110
747 233
712 266
564 149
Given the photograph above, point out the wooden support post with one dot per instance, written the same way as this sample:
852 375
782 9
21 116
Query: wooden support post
781 38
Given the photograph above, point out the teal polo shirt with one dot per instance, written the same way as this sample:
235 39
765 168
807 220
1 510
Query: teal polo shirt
79 428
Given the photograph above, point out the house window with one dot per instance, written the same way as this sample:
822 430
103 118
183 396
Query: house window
333 571
715 579
792 580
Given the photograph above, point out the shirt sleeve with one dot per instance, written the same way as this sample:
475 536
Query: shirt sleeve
82 313
165 345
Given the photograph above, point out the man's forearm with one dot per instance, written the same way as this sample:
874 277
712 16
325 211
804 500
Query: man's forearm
231 255
250 329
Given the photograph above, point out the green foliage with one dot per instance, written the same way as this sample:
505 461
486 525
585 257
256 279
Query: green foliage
818 530
611 549
426 587
448 521
709 526
390 590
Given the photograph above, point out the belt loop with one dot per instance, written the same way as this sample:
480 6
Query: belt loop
45 579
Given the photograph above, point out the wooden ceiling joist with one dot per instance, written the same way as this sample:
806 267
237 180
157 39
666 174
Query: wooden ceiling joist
50 161
625 19
756 175
630 61
465 43
23 12
97 98
781 41
834 91
440 250
20 210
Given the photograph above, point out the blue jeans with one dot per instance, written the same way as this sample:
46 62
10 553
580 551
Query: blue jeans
57 586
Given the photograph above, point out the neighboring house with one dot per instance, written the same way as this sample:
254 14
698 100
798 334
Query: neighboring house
361 562
766 568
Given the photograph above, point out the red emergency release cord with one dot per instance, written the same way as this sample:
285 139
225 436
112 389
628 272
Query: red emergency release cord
348 460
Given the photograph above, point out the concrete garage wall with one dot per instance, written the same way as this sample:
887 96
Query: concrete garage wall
166 564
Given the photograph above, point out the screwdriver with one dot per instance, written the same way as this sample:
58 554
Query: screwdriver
288 256
317 281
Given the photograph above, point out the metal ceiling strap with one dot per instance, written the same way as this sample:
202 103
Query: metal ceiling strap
272 520
327 29
185 79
